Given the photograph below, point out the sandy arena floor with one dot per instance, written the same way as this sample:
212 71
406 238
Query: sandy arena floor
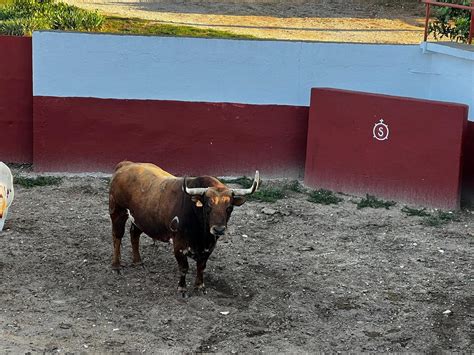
292 276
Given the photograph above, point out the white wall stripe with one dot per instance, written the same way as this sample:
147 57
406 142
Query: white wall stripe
214 70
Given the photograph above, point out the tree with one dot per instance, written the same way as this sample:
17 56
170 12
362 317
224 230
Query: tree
451 23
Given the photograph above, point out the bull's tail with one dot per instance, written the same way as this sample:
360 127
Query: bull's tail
122 164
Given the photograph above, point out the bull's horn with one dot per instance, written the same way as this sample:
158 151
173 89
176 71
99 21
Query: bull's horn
251 189
194 191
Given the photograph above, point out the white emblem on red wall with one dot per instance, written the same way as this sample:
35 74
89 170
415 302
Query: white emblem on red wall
380 131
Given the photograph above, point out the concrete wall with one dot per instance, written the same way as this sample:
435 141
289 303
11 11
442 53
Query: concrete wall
89 134
213 70
238 103
451 73
250 72
393 147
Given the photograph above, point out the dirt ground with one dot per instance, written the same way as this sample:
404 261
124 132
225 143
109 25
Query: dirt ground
288 277
370 21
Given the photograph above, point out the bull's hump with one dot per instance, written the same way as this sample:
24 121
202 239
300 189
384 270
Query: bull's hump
140 169
156 170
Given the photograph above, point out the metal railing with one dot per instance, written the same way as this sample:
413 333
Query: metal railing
428 4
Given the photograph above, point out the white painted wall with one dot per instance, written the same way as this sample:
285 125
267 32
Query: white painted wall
453 78
239 71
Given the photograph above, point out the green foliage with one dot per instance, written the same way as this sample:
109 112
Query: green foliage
22 17
75 19
451 23
36 181
435 219
374 202
294 186
421 212
324 197
25 16
440 218
267 194
5 2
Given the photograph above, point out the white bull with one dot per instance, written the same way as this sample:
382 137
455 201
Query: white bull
6 192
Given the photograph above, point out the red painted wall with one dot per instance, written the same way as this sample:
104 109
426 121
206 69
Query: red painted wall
468 166
420 162
16 99
88 134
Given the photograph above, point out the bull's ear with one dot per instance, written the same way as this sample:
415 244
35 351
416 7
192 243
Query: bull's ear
197 200
239 200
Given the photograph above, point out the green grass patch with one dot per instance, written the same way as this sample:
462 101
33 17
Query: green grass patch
22 17
267 194
374 202
293 185
420 212
435 219
123 25
324 197
36 181
440 218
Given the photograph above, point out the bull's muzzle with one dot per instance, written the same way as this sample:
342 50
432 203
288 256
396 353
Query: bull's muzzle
218 230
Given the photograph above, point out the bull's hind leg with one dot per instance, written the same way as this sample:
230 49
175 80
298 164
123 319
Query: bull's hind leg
119 217
135 233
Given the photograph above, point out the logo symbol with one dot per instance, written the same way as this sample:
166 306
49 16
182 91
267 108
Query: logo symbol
380 131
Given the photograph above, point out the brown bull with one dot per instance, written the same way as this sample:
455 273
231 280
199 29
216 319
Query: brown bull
193 212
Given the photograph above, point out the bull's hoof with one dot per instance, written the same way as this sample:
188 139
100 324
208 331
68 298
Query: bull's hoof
182 292
138 264
117 268
200 289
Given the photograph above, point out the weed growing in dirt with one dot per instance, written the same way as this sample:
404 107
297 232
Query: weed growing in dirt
266 193
441 218
36 181
420 212
294 186
436 219
324 197
374 202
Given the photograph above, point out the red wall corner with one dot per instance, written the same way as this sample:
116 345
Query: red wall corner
16 99
419 161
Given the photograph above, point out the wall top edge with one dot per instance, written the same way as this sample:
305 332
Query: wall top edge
222 39
458 50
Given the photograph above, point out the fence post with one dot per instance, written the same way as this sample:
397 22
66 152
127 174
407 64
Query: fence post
427 19
471 29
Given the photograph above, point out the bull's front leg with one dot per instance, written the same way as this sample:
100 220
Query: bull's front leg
200 267
183 270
